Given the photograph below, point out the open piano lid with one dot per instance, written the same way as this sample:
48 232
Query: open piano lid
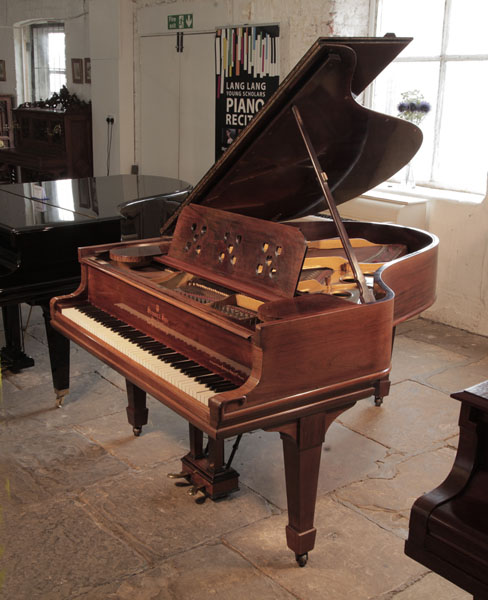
266 172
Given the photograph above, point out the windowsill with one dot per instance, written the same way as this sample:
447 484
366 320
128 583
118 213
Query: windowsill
399 194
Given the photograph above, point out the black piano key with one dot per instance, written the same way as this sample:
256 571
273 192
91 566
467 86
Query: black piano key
192 369
182 364
213 378
223 387
111 323
135 336
87 308
158 350
145 339
96 314
147 343
191 363
129 334
152 345
166 354
196 370
171 358
121 328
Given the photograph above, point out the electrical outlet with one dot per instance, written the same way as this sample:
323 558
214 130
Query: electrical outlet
110 119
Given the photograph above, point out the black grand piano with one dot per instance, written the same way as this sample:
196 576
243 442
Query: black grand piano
41 227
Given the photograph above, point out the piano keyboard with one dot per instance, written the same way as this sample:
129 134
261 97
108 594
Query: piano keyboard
187 375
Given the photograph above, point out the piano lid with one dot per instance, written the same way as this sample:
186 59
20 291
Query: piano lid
266 172
64 202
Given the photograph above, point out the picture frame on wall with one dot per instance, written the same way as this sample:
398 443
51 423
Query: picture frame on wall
3 72
77 70
87 70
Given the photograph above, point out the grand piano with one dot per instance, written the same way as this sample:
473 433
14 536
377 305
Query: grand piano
42 225
254 314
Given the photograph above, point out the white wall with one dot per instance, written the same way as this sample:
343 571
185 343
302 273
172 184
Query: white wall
156 150
301 21
112 60
462 288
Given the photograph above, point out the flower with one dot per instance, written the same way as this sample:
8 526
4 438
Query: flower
413 107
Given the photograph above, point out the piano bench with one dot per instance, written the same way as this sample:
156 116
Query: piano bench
448 530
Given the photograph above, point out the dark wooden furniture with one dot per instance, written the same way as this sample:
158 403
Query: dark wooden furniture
449 526
41 227
239 323
6 122
6 133
53 140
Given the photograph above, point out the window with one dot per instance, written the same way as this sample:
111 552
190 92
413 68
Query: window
448 64
47 59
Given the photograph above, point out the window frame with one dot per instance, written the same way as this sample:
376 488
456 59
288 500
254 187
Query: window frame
49 26
442 59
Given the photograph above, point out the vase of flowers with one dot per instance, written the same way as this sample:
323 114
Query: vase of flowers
413 108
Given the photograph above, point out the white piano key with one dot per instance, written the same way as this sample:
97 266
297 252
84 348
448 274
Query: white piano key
147 360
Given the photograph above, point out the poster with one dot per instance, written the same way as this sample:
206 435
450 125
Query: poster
247 74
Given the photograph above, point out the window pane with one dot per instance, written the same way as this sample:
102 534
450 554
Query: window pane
57 59
420 19
467 31
48 57
56 82
405 77
463 158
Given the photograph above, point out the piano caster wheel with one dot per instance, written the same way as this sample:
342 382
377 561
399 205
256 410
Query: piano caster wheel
137 431
378 400
60 396
301 559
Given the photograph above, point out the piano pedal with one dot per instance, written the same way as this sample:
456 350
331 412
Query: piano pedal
181 475
185 477
198 491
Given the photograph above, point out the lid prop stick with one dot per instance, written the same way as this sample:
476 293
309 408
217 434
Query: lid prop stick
366 295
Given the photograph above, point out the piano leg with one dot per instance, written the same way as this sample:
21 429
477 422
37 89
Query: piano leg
13 356
136 408
196 442
208 473
382 389
58 346
302 449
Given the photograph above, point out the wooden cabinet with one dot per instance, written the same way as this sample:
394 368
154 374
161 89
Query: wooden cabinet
6 133
6 125
53 140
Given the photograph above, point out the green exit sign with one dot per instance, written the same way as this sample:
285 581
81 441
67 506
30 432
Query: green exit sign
180 21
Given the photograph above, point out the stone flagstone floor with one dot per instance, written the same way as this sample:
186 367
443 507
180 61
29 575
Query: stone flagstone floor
87 512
